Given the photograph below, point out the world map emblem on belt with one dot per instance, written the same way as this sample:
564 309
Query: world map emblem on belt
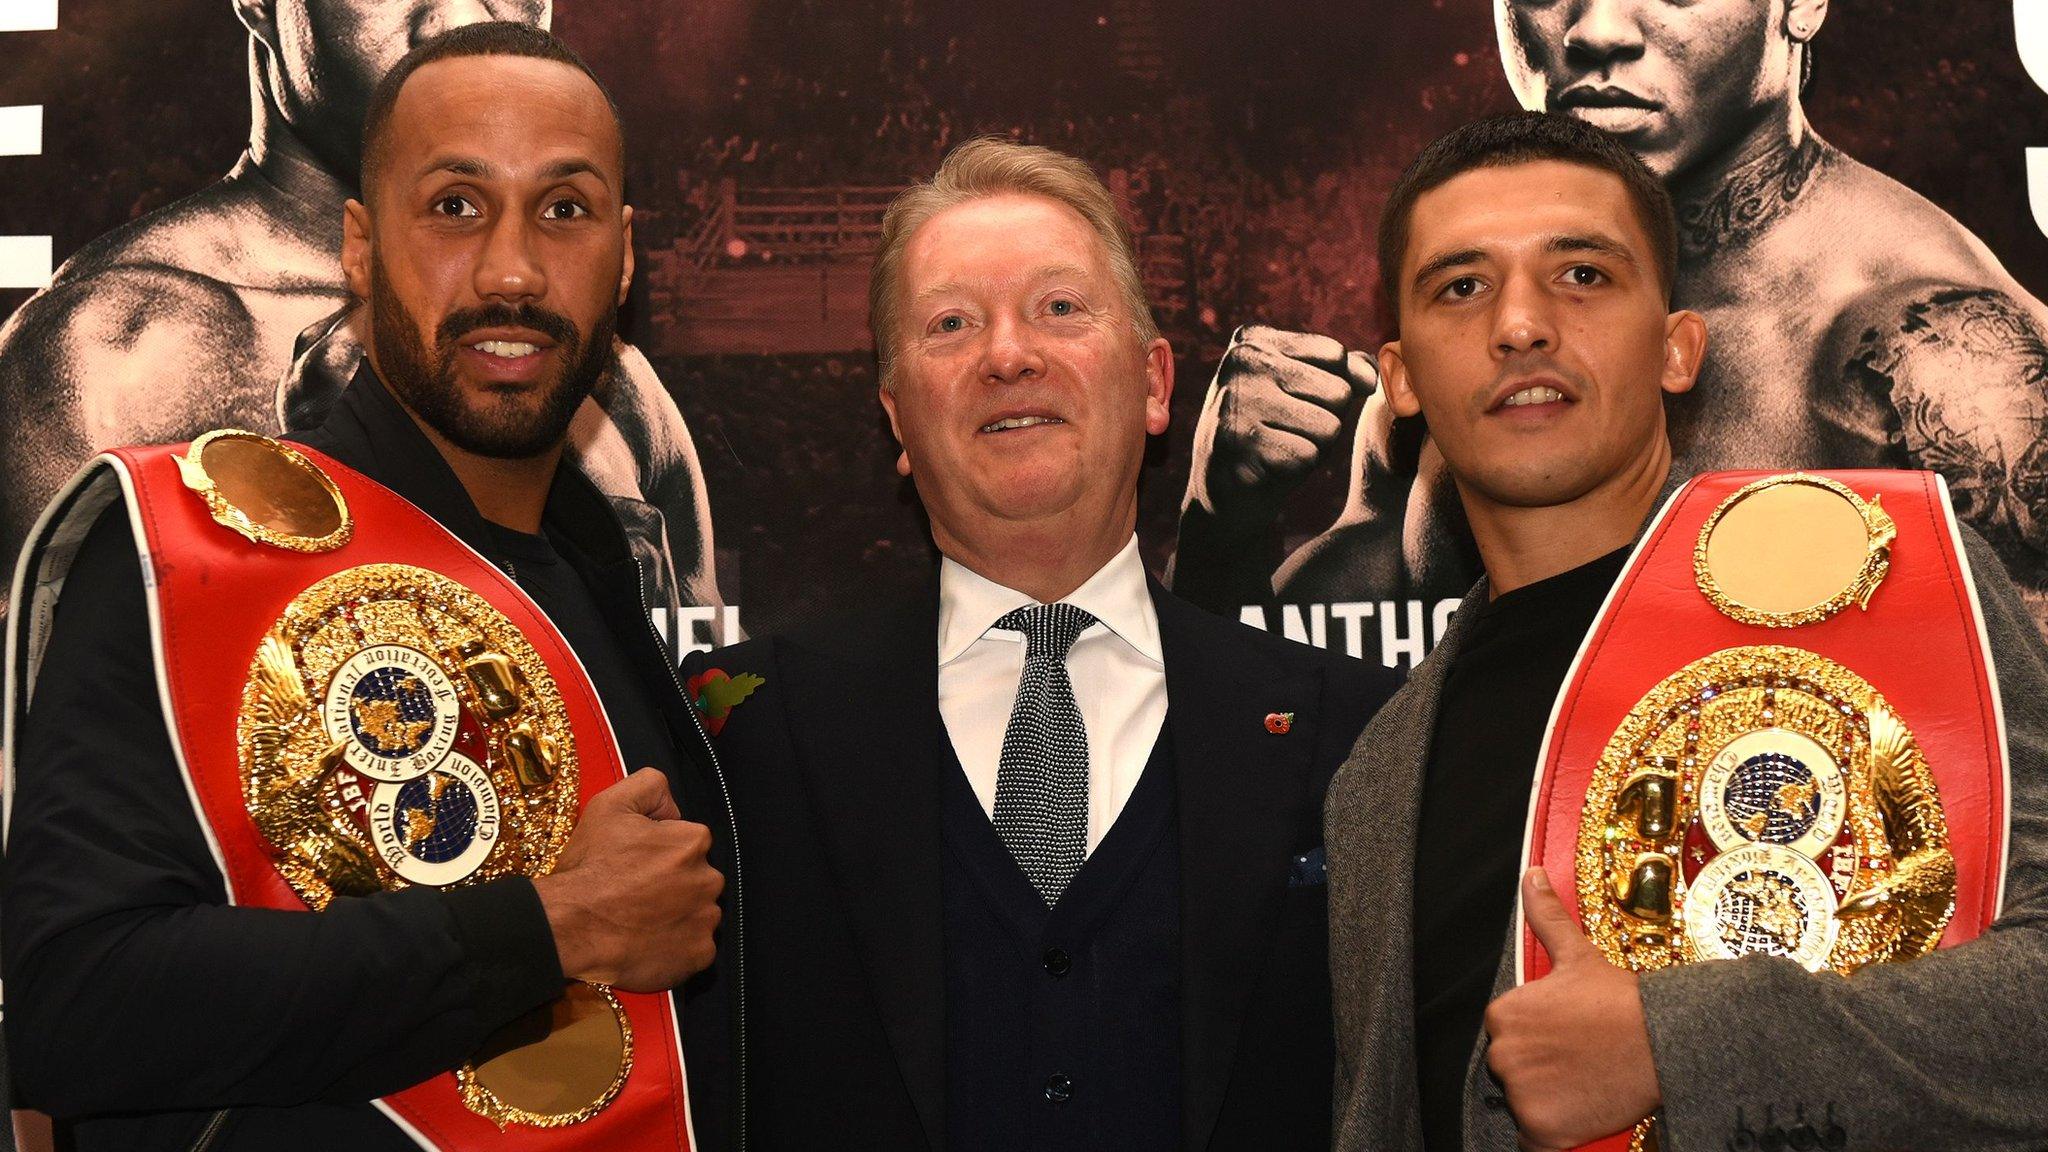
394 711
437 828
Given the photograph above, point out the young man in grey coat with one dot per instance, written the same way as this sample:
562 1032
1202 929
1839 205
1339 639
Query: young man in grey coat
1530 260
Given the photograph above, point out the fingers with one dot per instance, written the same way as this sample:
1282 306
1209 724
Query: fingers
645 792
1363 374
1282 409
1277 452
1307 347
1317 380
1552 923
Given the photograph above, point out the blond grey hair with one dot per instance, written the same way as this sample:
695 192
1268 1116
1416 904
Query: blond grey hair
992 166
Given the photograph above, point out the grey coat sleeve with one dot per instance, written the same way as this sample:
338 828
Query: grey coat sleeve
1934 1053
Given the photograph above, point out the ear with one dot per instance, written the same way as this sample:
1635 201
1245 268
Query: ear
1394 379
356 246
1685 348
260 18
1803 18
896 430
626 267
1158 387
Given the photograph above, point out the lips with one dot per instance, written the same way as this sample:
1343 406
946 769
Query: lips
1603 96
1529 393
1537 395
1015 421
507 349
507 342
1609 108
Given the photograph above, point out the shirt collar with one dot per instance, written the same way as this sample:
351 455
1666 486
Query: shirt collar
1117 596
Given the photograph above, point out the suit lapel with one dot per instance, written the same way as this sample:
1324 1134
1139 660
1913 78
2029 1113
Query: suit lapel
865 724
1237 785
1370 823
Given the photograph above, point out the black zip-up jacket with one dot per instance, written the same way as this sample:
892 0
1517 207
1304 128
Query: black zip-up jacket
146 1013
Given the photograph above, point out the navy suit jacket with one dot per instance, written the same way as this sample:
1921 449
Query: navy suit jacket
836 764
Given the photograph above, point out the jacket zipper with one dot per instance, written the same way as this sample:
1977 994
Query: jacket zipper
739 919
208 1134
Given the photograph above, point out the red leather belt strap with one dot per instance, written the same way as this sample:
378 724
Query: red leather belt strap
215 595
1921 644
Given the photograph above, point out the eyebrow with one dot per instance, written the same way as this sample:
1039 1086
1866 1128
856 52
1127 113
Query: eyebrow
473 168
1585 242
1049 272
573 166
1562 243
1437 265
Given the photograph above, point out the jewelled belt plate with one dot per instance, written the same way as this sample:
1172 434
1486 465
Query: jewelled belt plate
1763 800
398 730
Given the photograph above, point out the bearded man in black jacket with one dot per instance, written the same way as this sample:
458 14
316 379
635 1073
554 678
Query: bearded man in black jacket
145 1010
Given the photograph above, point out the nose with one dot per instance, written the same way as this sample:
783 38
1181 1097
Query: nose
1522 321
505 268
1603 33
1011 354
430 20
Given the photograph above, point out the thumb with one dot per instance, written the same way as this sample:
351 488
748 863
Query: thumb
1362 372
1553 925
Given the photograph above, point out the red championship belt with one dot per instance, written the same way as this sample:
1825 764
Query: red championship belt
360 702
1782 735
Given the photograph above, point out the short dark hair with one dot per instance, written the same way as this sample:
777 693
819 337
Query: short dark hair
1520 138
491 38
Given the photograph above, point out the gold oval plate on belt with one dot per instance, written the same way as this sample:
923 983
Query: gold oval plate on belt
1792 549
267 491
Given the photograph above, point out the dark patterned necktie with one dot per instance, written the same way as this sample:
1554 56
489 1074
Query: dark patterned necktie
1041 812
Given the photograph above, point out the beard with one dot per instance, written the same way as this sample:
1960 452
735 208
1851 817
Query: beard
500 427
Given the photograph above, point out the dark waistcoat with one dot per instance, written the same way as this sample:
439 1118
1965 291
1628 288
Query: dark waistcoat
1063 1023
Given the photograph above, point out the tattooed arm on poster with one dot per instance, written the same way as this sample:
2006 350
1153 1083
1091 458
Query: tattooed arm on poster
1273 414
1965 370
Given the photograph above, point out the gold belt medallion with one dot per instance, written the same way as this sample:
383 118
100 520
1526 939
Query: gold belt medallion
1763 799
396 729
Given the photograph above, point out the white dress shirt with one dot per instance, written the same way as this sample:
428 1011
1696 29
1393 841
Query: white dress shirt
1118 673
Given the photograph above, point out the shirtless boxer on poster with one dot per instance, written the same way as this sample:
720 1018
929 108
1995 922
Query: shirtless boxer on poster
1856 324
227 308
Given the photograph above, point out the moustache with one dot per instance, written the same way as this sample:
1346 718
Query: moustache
1534 364
553 325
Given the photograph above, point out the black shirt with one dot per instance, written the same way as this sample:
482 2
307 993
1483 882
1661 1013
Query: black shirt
1496 703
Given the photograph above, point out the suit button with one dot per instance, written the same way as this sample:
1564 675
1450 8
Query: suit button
1058 1087
1057 962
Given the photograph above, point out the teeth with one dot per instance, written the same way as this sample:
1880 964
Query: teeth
1536 395
1019 422
509 349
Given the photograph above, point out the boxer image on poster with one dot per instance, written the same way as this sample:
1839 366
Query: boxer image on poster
1856 325
228 309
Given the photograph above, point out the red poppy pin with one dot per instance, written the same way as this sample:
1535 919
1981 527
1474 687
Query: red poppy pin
716 694
1279 723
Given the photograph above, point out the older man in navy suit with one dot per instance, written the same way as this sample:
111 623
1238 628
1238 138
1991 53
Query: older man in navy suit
1034 858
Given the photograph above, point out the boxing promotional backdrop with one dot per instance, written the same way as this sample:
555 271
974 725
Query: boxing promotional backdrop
1861 246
